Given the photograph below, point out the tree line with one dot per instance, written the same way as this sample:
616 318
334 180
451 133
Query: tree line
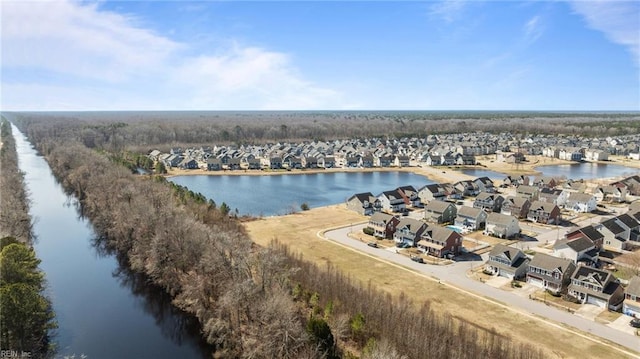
251 302
26 315
143 131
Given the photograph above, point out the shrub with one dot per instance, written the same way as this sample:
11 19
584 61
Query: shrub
368 230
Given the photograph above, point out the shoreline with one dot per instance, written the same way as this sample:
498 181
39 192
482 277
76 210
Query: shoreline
439 174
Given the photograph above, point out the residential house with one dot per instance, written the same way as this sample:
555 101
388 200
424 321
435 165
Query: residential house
363 203
516 206
253 163
553 195
529 192
581 202
440 241
410 196
409 231
549 272
275 163
432 192
383 225
628 221
632 184
502 226
596 155
578 250
570 154
616 237
546 182
401 161
631 304
489 202
214 164
597 287
188 164
611 194
515 181
392 201
544 212
485 184
506 261
590 232
466 188
440 212
327 162
471 218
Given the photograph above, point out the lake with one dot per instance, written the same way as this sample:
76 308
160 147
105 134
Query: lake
102 309
587 170
270 195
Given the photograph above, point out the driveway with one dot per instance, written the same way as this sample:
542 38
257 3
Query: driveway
589 311
622 324
455 276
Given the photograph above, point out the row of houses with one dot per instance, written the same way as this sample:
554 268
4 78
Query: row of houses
572 267
432 150
431 239
562 276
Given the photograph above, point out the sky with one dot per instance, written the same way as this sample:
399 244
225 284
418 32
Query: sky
328 55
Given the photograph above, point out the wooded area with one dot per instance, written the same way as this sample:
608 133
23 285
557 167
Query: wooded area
143 131
252 302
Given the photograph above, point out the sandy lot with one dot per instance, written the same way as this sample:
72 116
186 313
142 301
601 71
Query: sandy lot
300 232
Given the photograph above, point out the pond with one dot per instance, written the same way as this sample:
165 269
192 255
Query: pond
587 170
269 195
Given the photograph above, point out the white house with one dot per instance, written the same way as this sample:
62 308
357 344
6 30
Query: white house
581 202
507 262
501 225
391 201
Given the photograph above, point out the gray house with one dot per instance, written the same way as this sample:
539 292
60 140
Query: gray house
549 272
440 212
506 261
489 202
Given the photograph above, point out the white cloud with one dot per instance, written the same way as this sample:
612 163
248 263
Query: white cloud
618 20
448 10
533 29
96 59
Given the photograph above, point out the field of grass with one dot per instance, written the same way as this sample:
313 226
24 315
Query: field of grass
300 231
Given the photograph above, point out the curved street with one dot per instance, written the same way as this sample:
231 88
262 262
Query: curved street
455 275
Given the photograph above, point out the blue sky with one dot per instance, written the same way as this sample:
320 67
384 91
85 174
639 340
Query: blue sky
331 55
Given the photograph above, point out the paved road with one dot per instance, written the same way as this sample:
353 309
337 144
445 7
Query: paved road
456 275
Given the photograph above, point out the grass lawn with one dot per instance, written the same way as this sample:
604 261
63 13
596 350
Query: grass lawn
300 231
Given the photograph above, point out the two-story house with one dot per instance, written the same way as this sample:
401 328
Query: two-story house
440 241
383 224
581 202
362 203
616 236
553 195
544 212
631 304
549 272
410 195
466 188
597 287
507 262
489 202
485 184
432 192
440 212
529 192
502 226
408 231
516 206
392 201
577 250
471 218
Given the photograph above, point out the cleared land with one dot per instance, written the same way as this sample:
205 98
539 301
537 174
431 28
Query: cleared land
300 231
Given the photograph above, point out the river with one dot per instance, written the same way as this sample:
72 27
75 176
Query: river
103 310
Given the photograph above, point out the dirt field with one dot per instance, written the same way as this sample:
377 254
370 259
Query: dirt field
300 231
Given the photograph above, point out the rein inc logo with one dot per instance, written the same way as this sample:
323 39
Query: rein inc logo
15 354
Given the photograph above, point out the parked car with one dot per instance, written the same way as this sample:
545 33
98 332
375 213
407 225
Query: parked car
402 245
635 322
373 244
417 259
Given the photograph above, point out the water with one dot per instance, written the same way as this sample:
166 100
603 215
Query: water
103 310
280 194
587 170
